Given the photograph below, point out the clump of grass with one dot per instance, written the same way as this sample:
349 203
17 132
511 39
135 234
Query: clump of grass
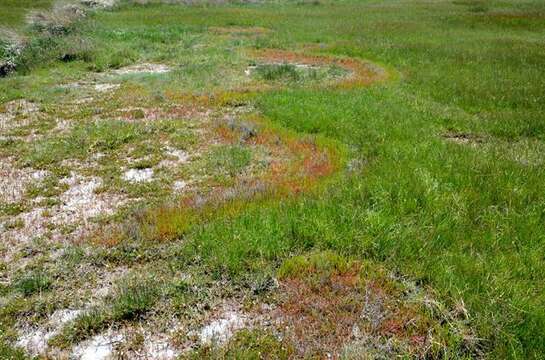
8 352
73 48
83 327
11 47
52 35
48 187
273 72
133 298
476 6
15 224
231 159
42 50
247 344
33 283
323 263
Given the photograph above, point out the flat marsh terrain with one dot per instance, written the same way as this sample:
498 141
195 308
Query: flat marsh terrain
272 179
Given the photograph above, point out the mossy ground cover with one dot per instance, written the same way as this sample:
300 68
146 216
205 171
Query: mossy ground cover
371 169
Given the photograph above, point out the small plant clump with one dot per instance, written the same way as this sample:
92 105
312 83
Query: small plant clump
131 299
11 48
247 344
33 283
298 73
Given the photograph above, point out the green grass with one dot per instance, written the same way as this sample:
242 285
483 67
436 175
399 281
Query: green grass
465 220
246 345
13 12
230 159
318 264
33 283
131 299
83 327
292 74
9 353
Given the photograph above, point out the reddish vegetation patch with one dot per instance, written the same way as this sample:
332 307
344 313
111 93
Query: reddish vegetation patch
309 163
319 317
296 163
361 309
362 73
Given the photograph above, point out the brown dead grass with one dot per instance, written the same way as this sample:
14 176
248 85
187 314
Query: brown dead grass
239 30
463 138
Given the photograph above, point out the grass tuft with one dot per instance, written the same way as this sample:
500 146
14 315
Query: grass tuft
33 283
230 159
84 326
325 263
247 344
133 298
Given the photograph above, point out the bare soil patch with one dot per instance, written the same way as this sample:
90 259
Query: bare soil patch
146 68
464 138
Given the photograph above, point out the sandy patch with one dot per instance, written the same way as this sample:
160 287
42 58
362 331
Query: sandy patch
13 181
179 185
77 206
17 113
138 175
92 86
63 125
80 199
175 157
158 348
143 69
223 327
105 4
105 87
100 347
191 113
34 340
